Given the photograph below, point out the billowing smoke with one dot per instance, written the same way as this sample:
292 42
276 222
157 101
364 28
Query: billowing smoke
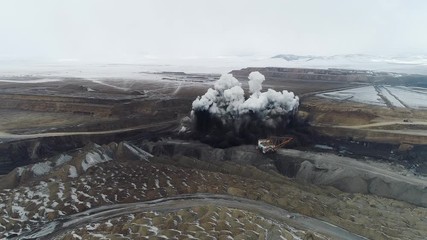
224 117
255 82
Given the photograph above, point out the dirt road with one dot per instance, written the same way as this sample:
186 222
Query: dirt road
381 124
59 227
10 136
367 127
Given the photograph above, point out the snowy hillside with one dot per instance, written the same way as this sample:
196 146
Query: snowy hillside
404 64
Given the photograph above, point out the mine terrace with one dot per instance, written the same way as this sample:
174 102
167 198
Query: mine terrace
157 154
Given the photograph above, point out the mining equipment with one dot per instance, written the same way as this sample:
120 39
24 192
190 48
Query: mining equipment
271 144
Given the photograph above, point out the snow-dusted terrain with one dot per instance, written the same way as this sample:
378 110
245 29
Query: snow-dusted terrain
412 97
219 65
399 64
395 96
43 80
366 95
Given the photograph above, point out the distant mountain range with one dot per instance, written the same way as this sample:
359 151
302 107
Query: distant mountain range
408 64
412 60
292 57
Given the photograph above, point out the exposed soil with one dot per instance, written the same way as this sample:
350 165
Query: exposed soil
58 122
115 178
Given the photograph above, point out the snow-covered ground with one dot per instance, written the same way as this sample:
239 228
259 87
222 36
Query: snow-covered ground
413 98
366 95
400 64
43 80
385 93
397 96
221 64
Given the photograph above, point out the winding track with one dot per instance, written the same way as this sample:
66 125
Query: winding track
366 127
58 228
11 136
380 124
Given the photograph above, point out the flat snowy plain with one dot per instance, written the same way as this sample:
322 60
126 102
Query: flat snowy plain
397 96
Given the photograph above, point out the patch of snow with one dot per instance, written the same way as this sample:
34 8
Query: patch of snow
104 197
168 182
153 229
92 227
41 168
74 196
63 158
20 170
73 172
60 192
21 212
325 147
48 210
108 223
411 97
182 130
77 236
108 85
386 93
93 158
366 95
99 236
398 96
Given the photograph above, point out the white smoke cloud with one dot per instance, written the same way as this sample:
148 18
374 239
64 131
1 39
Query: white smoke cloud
226 81
270 103
255 82
226 100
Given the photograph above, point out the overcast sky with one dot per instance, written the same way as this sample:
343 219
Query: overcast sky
132 29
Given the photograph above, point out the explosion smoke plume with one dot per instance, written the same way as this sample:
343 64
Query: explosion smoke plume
223 113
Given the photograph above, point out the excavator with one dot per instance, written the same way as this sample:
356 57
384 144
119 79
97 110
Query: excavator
271 144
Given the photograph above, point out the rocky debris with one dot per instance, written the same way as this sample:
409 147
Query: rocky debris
304 166
404 147
354 176
64 166
243 155
51 196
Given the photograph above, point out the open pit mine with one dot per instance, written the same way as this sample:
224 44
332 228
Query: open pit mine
258 153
